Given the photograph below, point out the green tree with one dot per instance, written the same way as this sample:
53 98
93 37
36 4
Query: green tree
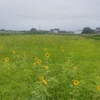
33 30
87 30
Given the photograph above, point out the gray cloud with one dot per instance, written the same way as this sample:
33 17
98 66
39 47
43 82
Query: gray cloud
63 14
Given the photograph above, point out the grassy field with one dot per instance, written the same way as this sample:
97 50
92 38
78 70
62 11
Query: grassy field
50 67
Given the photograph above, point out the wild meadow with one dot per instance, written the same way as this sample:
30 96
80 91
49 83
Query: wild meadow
49 67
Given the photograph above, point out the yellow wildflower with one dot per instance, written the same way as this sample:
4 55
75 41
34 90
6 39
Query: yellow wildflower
39 61
75 67
41 77
13 51
44 48
47 55
6 59
44 81
25 52
46 67
68 60
76 82
99 87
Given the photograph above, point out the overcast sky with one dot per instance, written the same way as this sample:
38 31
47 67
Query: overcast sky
49 14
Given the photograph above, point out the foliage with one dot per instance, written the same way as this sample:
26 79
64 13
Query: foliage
87 30
33 30
49 67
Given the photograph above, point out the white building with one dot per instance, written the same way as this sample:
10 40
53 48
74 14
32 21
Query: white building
55 30
97 30
78 31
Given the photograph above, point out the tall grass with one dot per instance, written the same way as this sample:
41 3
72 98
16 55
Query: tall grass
49 67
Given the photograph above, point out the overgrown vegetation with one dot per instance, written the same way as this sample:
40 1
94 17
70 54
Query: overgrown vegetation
87 30
49 67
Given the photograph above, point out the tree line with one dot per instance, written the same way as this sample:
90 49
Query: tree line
87 30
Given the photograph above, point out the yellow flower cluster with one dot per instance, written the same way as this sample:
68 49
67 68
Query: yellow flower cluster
68 60
39 61
44 48
25 52
76 82
47 55
13 51
46 67
6 59
43 80
99 87
41 77
75 67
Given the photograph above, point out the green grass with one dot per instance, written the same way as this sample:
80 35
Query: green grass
72 57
